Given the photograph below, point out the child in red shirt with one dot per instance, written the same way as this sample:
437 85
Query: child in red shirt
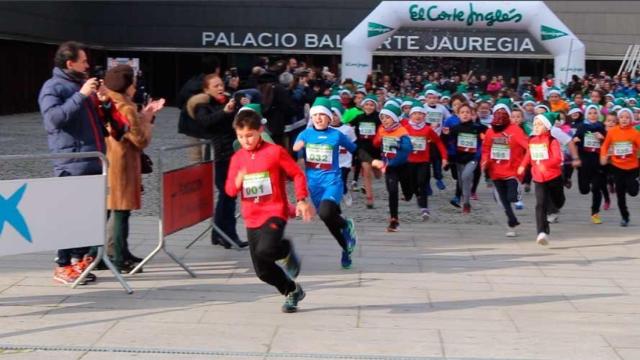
259 170
545 157
421 135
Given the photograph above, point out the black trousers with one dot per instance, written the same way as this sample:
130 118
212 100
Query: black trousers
393 176
267 245
345 177
626 183
591 178
508 193
330 213
548 194
419 175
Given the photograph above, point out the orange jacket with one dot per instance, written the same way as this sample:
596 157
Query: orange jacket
622 140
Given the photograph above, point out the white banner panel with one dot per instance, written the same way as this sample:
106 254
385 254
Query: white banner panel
52 213
533 17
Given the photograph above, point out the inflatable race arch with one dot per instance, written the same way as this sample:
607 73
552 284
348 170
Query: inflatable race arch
533 16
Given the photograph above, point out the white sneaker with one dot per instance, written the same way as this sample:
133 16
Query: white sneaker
542 239
348 199
511 233
519 205
552 218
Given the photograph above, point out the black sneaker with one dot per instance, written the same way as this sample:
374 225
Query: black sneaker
292 299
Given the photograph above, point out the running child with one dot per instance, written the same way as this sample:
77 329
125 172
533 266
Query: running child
625 141
365 127
436 114
395 143
345 158
421 135
545 157
503 149
257 172
467 138
591 176
320 146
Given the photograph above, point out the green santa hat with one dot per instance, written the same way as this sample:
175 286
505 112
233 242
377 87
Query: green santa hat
406 101
345 92
445 95
554 90
627 110
350 114
574 109
484 98
322 105
257 108
431 92
462 88
391 109
547 118
542 106
502 106
372 98
417 107
336 108
361 90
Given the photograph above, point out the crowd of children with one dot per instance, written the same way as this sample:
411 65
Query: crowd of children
511 141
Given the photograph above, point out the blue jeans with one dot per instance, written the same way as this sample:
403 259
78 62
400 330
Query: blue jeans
225 215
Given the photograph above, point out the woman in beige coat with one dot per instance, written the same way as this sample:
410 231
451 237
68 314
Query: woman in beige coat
124 177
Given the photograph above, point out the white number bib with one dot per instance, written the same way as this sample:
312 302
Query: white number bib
434 117
256 184
419 143
367 128
622 148
389 144
500 152
539 152
320 153
469 141
590 141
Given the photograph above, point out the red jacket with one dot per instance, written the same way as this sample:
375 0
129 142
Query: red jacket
503 152
423 137
262 197
541 147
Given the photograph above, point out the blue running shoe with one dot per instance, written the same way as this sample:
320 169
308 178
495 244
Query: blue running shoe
440 184
350 235
455 201
345 261
519 205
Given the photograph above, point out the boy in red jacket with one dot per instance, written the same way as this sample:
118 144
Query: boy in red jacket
421 135
545 157
259 170
504 146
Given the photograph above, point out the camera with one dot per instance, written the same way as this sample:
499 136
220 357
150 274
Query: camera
97 72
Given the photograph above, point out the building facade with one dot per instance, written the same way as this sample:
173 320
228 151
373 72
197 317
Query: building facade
169 37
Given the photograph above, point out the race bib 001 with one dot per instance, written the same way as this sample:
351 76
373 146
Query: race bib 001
256 184
469 141
622 148
590 141
419 143
367 128
389 144
539 151
320 153
500 152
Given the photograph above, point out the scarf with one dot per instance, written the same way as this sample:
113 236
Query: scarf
418 126
392 127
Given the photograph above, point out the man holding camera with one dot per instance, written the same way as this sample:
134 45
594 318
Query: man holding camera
72 123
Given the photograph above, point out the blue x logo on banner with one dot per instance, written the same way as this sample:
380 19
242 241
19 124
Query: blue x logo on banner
9 213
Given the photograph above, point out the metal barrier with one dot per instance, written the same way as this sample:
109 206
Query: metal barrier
165 229
101 253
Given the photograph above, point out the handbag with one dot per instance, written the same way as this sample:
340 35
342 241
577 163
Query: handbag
146 163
